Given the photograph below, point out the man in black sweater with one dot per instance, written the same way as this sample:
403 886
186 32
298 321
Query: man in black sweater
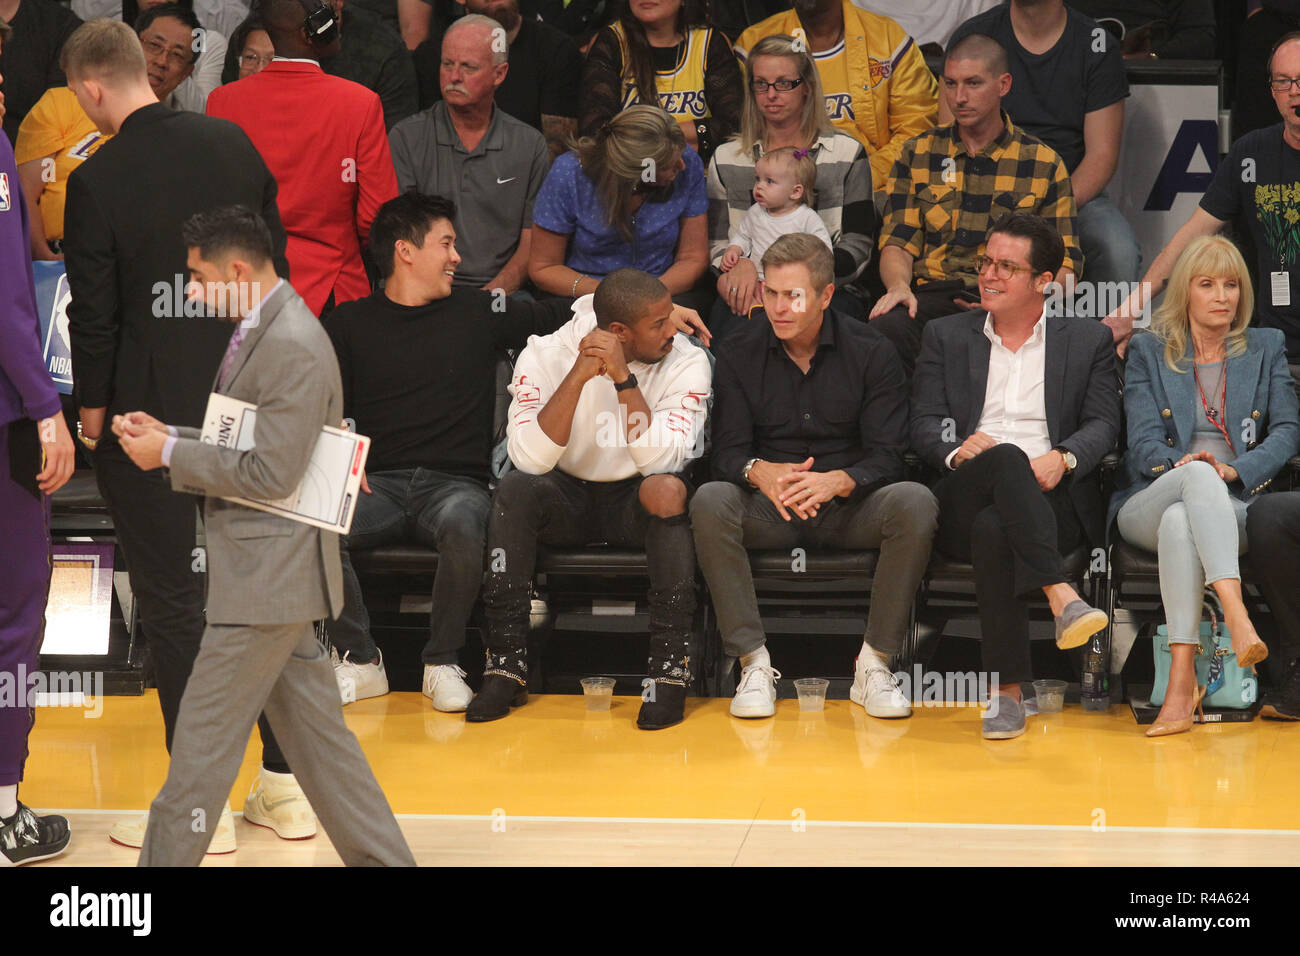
418 361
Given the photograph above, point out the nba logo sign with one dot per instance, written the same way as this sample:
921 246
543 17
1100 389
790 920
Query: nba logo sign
4 192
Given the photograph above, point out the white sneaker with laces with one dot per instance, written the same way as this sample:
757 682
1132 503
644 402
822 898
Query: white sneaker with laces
131 832
358 681
756 692
444 684
279 804
875 689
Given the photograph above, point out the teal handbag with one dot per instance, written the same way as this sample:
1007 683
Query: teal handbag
1227 684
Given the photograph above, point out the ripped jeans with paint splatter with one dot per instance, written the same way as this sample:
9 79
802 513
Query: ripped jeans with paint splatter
558 510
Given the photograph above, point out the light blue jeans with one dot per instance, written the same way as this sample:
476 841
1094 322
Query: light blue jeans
1110 248
1188 518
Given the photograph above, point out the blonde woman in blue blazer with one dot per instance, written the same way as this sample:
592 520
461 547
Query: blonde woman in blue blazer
1212 419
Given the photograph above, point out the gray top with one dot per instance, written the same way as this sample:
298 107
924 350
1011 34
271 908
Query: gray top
493 187
1205 437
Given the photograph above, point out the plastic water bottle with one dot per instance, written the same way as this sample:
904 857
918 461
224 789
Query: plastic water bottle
1095 684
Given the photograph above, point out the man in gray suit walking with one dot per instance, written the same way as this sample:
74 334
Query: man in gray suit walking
269 578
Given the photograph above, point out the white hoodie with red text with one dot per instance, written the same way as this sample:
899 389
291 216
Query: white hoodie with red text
676 389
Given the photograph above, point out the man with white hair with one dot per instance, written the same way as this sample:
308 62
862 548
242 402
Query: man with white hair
488 163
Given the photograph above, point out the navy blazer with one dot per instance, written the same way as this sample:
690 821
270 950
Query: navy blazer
1263 415
1080 394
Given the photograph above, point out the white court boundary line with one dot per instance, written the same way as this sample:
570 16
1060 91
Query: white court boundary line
722 821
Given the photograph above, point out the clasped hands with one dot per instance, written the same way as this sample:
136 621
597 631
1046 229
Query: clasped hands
1226 472
142 437
797 488
1048 469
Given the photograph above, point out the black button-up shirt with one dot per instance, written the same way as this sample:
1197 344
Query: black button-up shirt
848 412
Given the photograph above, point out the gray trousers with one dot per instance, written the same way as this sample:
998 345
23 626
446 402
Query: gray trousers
1188 518
899 519
242 670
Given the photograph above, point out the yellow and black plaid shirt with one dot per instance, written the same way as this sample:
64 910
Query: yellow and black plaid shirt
942 202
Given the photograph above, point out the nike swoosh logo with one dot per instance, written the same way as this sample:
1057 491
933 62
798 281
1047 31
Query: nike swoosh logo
279 803
502 182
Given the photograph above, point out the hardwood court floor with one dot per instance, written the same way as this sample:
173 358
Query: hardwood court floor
554 783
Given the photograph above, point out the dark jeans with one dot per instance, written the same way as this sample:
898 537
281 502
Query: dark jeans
156 530
905 331
899 519
445 512
1273 530
993 514
560 510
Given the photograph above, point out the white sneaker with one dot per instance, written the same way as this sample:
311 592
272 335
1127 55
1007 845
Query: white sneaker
131 832
756 692
444 684
358 681
875 689
281 806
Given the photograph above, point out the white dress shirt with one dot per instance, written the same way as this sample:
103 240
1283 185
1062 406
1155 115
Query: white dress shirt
1014 408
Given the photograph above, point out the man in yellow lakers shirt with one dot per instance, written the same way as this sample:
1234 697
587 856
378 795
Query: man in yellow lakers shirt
877 86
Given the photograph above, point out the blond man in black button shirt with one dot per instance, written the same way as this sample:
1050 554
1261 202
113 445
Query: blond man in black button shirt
810 423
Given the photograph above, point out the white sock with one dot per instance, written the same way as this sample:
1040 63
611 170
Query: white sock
869 658
280 779
8 800
759 656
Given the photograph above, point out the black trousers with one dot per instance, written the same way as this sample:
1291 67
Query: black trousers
155 529
1273 530
905 331
558 509
993 514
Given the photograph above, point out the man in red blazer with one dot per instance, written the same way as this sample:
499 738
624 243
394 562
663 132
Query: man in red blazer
324 140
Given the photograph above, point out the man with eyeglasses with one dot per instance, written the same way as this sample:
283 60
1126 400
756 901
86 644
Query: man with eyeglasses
950 185
167 34
1257 184
1015 410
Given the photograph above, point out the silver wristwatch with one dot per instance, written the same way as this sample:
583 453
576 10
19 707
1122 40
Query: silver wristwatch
749 466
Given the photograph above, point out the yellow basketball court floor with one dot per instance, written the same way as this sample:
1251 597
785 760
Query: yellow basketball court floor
557 784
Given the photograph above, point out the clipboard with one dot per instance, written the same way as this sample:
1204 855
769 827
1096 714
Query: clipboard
327 495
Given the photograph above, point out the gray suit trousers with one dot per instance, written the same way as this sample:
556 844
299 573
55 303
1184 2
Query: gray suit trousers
242 670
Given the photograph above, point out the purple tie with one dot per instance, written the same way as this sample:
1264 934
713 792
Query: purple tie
228 362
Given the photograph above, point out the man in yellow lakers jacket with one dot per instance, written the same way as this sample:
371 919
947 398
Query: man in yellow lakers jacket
877 86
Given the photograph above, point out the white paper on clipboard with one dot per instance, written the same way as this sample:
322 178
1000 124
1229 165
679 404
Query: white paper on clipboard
327 496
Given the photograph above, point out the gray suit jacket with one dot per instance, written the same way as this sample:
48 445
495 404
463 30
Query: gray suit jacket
264 569
1081 396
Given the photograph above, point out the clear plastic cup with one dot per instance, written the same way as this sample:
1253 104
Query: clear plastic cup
1050 695
812 693
599 692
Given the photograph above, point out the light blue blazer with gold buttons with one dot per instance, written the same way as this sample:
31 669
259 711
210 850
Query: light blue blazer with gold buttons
1162 406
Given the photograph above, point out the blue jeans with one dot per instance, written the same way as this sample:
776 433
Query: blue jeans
1110 248
446 512
1188 518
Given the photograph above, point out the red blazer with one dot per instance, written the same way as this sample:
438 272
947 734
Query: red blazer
323 139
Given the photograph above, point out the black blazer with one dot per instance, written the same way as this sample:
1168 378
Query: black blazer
1081 394
132 347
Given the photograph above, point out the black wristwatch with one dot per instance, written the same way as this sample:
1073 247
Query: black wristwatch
629 382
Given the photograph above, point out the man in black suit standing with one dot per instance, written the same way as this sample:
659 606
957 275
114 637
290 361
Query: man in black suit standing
137 343
1016 410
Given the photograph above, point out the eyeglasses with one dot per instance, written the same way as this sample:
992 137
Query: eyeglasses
155 47
1281 84
781 86
252 60
1002 268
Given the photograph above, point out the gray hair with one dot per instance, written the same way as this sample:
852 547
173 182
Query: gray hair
478 20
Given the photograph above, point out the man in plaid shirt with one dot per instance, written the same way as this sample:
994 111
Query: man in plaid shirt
949 187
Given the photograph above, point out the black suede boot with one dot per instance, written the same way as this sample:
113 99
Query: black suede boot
666 707
494 700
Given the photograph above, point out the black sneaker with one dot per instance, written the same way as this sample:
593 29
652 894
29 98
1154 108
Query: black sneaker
27 838
666 709
1283 703
495 698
